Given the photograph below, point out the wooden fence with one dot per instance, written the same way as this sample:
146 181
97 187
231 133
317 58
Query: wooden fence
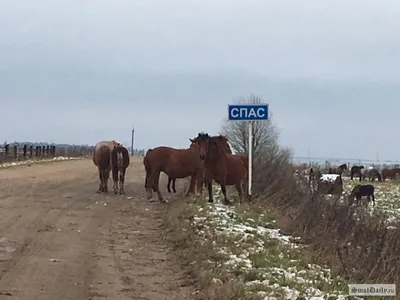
18 152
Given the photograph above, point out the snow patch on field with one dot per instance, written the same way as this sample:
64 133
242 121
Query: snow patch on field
29 161
269 264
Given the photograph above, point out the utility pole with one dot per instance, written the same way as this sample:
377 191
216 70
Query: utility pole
133 138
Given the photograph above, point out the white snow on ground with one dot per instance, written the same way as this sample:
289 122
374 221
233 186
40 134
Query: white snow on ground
29 161
268 263
329 177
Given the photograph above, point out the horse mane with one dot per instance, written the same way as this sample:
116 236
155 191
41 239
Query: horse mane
215 150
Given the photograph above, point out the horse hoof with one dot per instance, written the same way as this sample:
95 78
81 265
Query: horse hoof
210 201
115 192
121 192
98 191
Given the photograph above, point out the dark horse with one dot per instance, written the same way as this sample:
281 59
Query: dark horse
339 170
223 141
361 191
225 169
176 163
356 170
102 160
119 162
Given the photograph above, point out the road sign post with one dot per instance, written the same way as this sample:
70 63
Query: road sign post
249 113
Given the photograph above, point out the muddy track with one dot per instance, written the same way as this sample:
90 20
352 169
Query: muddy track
61 240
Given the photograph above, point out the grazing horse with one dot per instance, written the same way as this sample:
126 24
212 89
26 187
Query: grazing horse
339 170
225 169
390 173
372 174
119 162
176 163
360 191
356 170
102 160
223 141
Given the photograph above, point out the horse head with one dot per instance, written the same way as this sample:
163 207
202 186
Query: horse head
201 141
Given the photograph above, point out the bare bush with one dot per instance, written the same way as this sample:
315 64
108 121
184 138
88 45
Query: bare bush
272 171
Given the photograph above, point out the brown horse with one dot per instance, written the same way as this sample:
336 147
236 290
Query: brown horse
390 173
102 160
176 163
119 162
223 141
225 169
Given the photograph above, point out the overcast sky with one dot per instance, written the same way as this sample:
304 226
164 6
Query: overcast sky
90 70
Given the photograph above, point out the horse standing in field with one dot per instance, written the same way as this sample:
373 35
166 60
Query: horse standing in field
176 163
223 141
356 170
339 170
390 173
372 174
119 162
362 191
102 160
225 169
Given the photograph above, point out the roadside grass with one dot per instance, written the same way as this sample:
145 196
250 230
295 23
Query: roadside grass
240 253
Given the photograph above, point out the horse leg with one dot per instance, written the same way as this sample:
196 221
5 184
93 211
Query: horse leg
149 186
373 199
223 188
101 181
105 177
239 188
210 194
199 183
173 185
121 181
168 185
156 185
191 186
115 180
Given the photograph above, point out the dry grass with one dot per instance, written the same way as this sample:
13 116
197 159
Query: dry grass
351 244
239 253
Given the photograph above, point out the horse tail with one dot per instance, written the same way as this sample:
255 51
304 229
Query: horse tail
147 165
104 158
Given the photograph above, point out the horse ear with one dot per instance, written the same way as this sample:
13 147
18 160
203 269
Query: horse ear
191 140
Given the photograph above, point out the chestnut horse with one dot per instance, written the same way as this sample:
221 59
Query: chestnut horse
225 169
223 141
176 163
390 173
102 160
119 162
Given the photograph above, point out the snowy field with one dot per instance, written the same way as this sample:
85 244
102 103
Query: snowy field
250 249
387 195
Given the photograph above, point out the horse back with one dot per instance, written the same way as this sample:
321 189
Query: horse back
163 157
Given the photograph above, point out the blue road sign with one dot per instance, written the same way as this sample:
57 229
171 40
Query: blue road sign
252 112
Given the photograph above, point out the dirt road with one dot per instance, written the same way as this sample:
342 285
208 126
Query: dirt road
60 240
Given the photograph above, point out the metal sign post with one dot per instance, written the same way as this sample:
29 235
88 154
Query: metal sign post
250 113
